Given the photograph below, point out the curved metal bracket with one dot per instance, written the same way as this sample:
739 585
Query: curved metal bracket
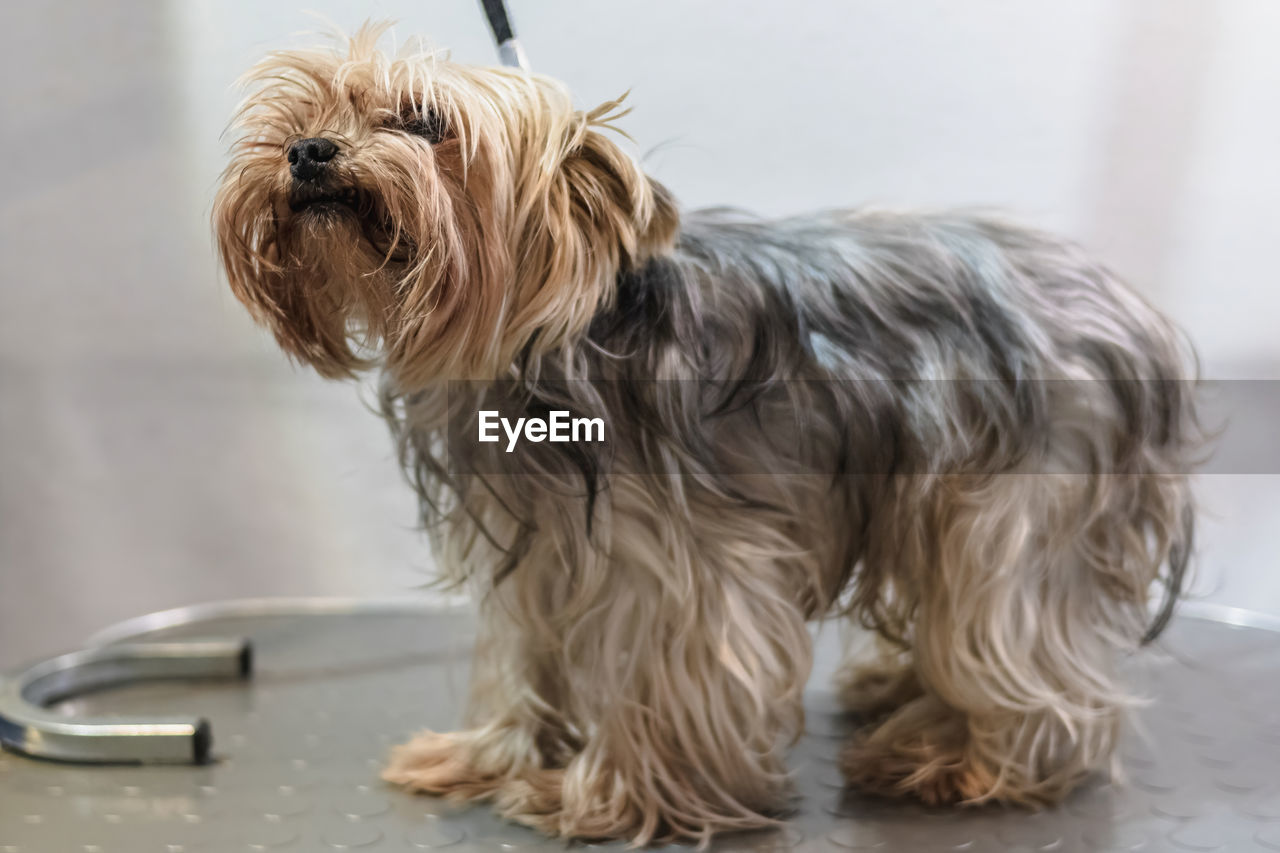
28 726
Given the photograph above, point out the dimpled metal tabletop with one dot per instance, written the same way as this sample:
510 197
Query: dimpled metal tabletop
298 749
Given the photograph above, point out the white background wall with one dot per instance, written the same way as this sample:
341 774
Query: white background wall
154 448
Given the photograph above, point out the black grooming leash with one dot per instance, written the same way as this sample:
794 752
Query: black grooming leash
509 50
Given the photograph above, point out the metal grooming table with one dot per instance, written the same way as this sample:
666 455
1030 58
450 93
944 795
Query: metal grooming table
296 747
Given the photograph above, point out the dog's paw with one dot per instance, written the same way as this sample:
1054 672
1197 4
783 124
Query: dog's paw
932 776
607 805
442 763
535 799
584 814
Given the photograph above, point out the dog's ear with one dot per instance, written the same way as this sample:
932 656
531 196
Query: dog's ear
610 198
597 215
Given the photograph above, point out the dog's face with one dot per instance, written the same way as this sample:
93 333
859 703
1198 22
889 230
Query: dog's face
436 217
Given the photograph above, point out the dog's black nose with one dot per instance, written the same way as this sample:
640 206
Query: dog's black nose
307 157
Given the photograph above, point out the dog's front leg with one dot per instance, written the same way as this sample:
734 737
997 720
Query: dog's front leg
684 663
516 741
648 696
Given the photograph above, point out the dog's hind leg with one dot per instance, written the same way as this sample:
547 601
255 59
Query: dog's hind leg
1023 590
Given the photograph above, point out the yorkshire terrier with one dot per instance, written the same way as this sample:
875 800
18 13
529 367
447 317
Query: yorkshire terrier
955 431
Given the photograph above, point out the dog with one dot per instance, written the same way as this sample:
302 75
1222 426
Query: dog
957 432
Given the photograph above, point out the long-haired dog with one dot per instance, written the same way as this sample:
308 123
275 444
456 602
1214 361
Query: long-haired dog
955 431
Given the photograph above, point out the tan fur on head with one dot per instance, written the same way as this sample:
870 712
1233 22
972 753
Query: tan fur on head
507 233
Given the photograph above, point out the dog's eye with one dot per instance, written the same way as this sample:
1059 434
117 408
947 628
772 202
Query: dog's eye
425 123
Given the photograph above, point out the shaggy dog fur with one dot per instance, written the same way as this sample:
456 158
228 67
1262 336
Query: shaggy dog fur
955 431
